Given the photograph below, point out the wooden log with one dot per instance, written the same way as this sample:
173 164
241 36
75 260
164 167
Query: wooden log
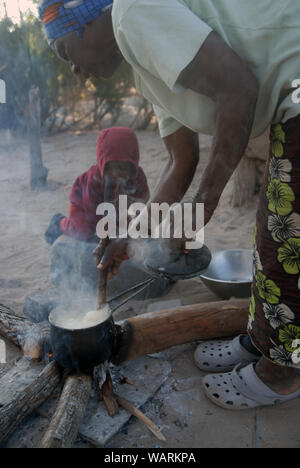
29 336
154 332
38 173
36 342
151 332
22 390
10 325
137 336
70 411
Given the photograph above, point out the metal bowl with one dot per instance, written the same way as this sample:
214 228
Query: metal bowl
230 273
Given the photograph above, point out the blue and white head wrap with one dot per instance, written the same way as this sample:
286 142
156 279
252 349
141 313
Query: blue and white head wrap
63 16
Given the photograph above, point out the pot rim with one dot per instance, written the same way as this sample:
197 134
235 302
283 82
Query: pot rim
76 329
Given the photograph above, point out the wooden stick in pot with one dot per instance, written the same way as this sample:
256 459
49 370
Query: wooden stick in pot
99 252
102 299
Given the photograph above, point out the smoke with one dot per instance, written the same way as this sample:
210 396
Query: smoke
34 339
81 314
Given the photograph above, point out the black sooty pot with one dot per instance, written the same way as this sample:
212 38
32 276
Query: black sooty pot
82 349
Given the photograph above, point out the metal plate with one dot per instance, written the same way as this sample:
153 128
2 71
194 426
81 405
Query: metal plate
161 260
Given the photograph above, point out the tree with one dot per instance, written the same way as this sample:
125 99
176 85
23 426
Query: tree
29 61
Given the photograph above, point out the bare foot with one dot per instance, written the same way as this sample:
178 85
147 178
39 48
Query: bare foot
282 380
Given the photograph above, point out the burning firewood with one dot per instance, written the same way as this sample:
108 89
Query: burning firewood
11 325
23 389
65 423
31 337
136 336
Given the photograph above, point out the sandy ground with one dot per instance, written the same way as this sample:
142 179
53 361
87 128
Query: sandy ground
190 420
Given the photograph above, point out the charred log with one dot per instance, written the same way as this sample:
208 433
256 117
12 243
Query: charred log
70 411
31 337
136 336
154 332
22 390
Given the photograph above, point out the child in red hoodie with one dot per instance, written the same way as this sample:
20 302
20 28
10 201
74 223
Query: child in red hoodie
117 172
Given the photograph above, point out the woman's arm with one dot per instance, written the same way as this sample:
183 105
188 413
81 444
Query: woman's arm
183 149
219 73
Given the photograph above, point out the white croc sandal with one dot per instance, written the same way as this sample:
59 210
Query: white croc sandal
222 356
241 389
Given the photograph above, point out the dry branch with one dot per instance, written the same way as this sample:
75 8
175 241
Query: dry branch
141 416
109 397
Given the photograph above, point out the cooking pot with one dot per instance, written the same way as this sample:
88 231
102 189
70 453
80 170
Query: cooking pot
86 348
82 349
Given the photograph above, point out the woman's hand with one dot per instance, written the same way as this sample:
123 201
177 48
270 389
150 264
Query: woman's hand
115 253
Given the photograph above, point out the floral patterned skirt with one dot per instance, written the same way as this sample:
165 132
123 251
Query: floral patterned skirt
274 318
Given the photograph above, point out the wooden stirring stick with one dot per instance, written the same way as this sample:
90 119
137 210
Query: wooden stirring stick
99 252
102 299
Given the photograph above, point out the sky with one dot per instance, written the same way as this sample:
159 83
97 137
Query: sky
12 7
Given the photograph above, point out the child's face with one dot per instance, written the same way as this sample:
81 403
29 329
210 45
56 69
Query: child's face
119 179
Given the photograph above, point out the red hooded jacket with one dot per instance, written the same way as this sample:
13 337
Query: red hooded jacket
114 144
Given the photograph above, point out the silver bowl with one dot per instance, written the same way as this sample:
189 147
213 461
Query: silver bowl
230 273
